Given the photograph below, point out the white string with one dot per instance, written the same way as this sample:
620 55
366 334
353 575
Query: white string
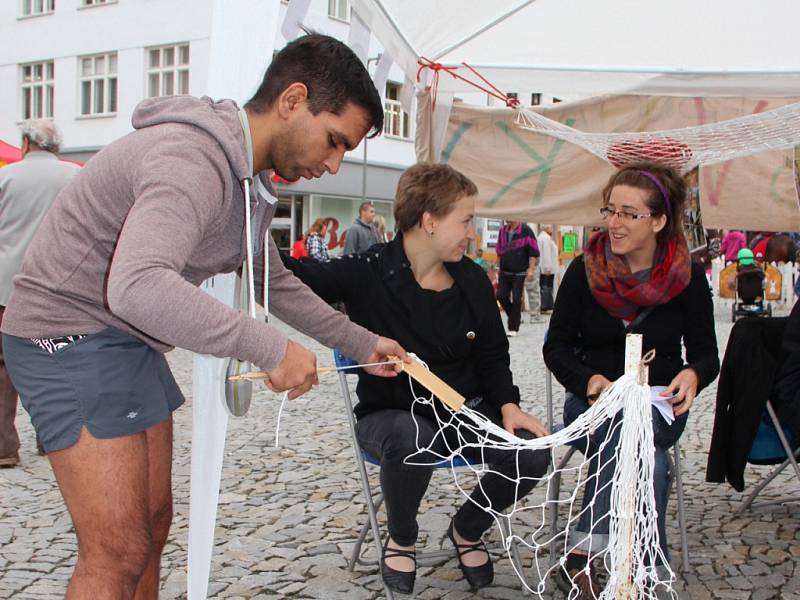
633 548
683 148
343 368
280 412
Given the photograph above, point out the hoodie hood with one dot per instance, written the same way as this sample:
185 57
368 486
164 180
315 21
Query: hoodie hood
220 119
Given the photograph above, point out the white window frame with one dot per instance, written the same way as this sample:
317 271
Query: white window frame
167 78
395 119
337 7
94 3
36 8
39 100
98 83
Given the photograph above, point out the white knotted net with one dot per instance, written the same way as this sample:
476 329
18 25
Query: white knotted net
684 148
632 553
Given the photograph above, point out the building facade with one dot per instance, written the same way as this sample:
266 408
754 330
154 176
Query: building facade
86 64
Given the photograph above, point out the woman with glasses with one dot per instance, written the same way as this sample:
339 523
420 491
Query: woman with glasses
634 277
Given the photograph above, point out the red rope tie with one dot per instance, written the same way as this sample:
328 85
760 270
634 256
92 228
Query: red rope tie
437 68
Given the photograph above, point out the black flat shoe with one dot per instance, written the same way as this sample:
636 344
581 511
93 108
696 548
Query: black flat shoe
401 582
477 577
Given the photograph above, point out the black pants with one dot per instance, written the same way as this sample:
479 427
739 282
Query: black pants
390 435
546 283
509 294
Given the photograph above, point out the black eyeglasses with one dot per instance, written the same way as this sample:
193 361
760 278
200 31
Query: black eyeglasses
624 215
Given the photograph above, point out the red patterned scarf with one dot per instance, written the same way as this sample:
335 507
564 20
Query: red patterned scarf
617 290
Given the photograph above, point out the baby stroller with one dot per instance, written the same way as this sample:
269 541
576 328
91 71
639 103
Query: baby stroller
749 301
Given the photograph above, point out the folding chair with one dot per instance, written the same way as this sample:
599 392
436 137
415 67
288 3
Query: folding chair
374 500
555 488
774 443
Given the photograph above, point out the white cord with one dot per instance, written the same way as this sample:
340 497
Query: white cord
280 412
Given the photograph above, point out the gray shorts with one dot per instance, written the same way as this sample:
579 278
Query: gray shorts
109 381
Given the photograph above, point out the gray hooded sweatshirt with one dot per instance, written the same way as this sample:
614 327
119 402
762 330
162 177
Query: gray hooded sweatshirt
149 218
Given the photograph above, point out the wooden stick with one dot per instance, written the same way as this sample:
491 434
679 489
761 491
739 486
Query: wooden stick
433 384
256 375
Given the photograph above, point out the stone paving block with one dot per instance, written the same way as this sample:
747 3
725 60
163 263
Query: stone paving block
288 517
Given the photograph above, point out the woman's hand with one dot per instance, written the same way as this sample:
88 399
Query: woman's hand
683 388
515 418
597 384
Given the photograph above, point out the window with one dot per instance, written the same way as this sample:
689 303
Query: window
37 90
339 9
98 81
30 8
395 120
556 100
168 70
536 99
97 2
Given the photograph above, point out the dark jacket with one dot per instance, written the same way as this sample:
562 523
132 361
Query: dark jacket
745 383
786 391
466 346
584 339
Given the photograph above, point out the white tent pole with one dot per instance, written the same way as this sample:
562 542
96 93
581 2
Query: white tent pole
634 70
479 31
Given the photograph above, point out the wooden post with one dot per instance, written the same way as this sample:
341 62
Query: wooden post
633 363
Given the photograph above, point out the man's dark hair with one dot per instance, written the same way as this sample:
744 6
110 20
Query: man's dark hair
331 72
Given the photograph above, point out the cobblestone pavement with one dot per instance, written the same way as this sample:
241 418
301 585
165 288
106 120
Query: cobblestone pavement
288 516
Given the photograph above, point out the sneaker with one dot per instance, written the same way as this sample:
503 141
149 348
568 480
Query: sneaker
12 460
512 333
587 585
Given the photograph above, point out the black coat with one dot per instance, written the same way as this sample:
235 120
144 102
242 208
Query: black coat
584 339
466 347
748 372
786 391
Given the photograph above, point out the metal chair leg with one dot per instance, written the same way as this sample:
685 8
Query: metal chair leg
676 449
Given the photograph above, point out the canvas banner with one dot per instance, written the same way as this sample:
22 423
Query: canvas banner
541 179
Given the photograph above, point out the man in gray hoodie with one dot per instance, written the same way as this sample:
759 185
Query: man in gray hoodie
110 283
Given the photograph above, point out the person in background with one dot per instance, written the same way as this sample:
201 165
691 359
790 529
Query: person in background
27 190
361 235
480 261
379 223
548 265
733 241
316 245
517 250
299 248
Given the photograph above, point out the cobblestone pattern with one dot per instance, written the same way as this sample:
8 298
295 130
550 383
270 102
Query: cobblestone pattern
289 516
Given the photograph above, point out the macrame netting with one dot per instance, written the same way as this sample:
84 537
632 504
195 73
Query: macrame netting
633 550
684 148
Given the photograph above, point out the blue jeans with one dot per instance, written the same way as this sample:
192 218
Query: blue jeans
390 435
595 520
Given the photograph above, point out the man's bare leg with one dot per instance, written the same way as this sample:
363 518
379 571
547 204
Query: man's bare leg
104 483
159 452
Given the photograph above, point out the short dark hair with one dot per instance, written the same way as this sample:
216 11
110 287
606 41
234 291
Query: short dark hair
331 72
365 205
675 185
428 187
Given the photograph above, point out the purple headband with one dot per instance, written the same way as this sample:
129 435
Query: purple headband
661 189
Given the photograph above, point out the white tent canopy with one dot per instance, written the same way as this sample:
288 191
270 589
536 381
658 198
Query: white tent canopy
589 47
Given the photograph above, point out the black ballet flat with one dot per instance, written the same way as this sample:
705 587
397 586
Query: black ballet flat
401 582
477 577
